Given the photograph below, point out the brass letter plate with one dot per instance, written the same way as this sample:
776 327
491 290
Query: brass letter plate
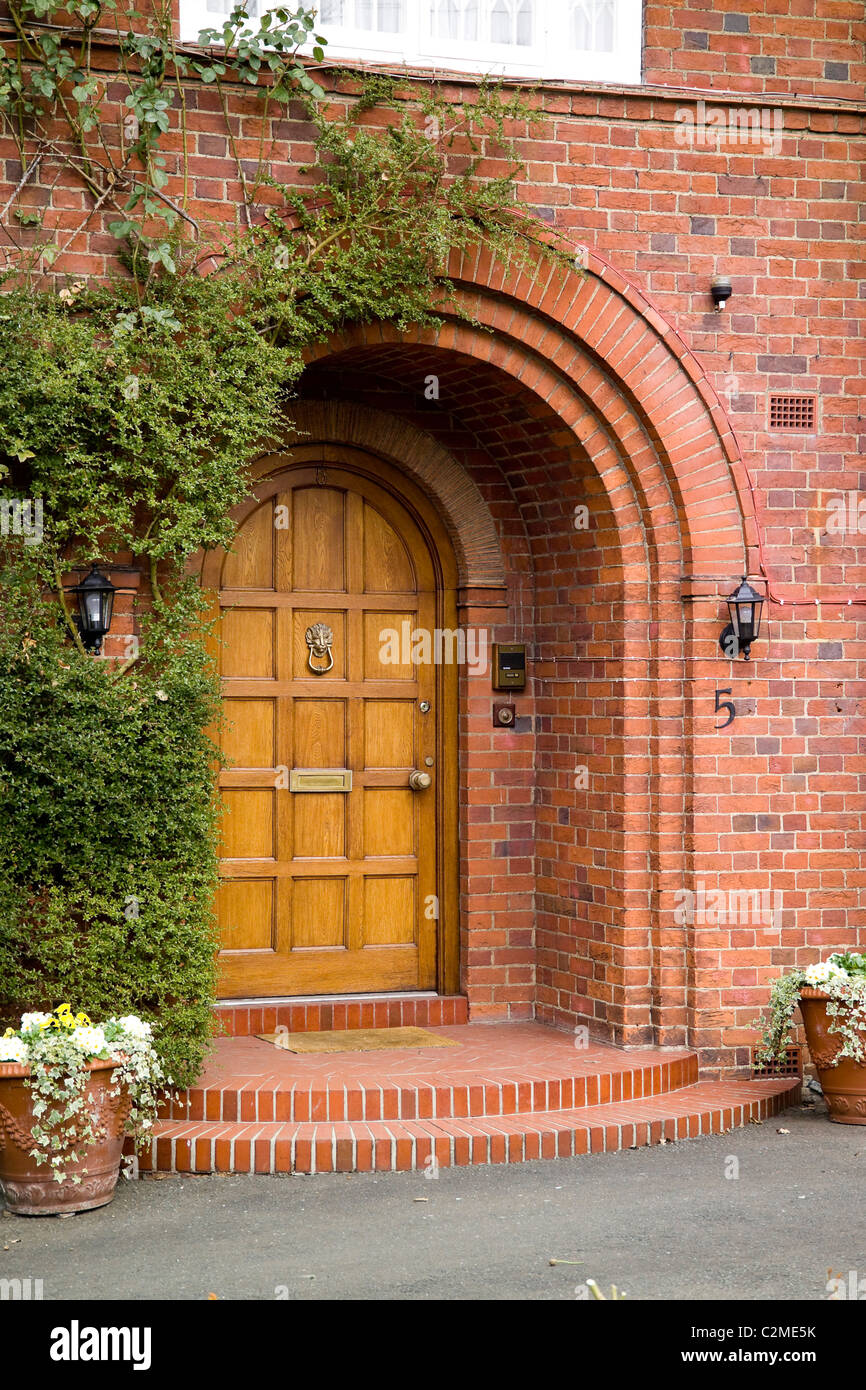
320 779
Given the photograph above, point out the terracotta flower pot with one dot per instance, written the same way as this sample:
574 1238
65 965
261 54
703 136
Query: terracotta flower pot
843 1082
29 1187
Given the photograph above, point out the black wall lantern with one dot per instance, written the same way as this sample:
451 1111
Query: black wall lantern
721 290
95 596
744 605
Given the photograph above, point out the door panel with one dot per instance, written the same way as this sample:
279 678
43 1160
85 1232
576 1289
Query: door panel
251 562
249 736
248 634
322 891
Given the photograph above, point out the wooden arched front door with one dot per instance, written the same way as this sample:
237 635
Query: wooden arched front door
335 872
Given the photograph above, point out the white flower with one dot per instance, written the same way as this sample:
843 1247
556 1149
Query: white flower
817 974
35 1020
823 972
90 1040
14 1050
133 1025
160 695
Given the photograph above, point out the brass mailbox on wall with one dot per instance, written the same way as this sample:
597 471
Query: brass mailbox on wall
509 666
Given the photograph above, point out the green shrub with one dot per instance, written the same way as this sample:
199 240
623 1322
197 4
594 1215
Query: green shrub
108 830
131 410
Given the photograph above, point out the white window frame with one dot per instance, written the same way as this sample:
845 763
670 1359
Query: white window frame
549 58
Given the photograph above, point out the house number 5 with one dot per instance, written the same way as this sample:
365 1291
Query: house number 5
725 704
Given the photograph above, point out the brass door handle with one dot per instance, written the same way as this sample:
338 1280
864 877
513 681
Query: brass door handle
419 781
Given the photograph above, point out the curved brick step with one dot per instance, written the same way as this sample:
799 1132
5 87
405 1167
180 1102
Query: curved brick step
498 1070
709 1107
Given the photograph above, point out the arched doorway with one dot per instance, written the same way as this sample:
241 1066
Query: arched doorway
553 395
559 394
338 858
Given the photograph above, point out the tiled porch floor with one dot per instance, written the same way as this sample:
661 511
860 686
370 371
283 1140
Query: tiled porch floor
523 1052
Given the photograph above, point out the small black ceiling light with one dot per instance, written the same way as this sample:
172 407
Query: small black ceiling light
721 290
744 605
95 596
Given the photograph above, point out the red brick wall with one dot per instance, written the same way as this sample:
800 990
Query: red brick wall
579 695
803 47
567 891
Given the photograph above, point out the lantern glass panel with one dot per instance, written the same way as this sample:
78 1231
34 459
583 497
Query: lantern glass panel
107 607
93 606
759 608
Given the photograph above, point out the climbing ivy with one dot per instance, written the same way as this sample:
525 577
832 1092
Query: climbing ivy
48 75
132 409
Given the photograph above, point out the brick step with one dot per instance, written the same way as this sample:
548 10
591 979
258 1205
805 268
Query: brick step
709 1107
302 1102
496 1070
316 1015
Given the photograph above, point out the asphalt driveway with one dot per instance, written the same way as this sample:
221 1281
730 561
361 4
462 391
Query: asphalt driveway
755 1214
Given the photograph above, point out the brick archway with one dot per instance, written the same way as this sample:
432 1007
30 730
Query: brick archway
626 395
597 354
321 426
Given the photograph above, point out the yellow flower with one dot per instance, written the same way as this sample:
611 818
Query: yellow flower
63 1017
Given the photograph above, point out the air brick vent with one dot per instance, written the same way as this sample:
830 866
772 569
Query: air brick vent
792 412
789 1064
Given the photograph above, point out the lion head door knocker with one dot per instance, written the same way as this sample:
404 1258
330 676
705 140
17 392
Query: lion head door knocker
319 639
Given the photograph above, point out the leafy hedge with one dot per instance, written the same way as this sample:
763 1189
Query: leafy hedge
107 831
132 410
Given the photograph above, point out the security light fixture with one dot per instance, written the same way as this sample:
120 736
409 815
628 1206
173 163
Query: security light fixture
95 596
744 605
720 289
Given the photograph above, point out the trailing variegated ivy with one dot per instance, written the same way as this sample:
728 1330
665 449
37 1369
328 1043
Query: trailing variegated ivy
842 977
58 1047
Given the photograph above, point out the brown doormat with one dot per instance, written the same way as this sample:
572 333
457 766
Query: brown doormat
357 1040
